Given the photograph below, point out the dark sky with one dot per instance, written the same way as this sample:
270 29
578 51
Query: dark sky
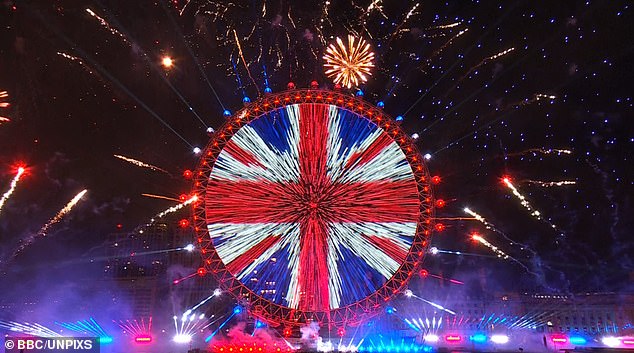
478 117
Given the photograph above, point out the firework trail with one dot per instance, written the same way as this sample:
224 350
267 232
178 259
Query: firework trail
477 66
3 95
244 62
442 47
498 252
166 212
557 151
450 25
161 197
142 164
492 227
349 65
44 230
549 184
14 184
536 98
109 27
77 60
398 30
63 212
533 212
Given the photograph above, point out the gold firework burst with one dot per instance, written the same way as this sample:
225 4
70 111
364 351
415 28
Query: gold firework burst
349 64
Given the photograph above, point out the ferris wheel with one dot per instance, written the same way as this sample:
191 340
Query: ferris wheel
314 206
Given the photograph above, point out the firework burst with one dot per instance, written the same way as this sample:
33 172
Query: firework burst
141 164
351 64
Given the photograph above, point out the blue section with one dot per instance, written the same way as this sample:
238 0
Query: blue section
272 272
367 279
353 129
273 127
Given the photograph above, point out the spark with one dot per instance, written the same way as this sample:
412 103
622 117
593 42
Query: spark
349 66
161 197
411 12
14 184
142 164
548 184
493 248
63 212
533 212
107 26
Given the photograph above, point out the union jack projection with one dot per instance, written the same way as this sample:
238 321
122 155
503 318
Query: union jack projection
311 206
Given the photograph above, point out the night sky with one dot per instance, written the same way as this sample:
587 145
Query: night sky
480 119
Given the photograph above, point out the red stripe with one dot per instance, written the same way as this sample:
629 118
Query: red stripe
241 155
269 202
313 155
360 158
313 144
388 246
313 266
241 262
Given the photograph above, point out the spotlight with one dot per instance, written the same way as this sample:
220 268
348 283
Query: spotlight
237 310
182 338
217 292
189 247
427 156
408 293
433 250
500 339
431 338
196 150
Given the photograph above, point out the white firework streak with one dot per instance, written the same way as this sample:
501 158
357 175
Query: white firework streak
60 215
493 248
14 184
107 26
174 208
548 184
533 212
141 164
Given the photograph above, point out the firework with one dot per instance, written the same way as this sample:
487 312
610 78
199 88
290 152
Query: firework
447 26
349 65
107 26
478 65
533 212
14 184
3 95
246 66
557 151
493 248
548 184
442 47
142 164
161 197
174 208
29 328
63 212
